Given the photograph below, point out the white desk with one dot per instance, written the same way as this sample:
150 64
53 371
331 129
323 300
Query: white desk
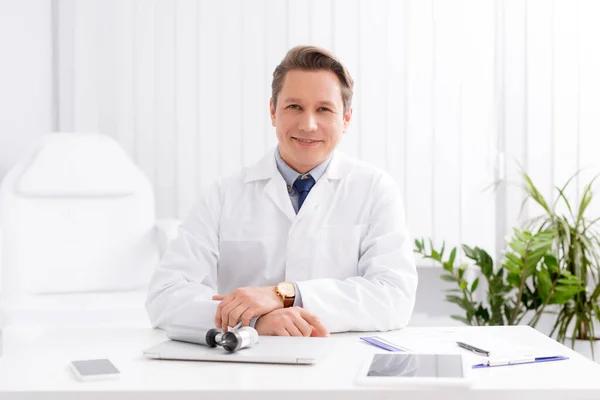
34 366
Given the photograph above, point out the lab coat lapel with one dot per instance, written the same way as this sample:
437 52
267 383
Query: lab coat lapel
320 195
275 188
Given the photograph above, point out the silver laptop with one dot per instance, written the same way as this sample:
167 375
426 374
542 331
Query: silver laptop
269 349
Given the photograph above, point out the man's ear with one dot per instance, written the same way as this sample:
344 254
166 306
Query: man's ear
347 118
272 111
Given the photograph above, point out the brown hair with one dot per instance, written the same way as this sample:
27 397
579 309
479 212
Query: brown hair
310 58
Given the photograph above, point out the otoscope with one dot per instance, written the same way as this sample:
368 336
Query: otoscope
232 341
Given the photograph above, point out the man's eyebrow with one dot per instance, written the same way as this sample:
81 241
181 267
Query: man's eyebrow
296 100
292 100
327 103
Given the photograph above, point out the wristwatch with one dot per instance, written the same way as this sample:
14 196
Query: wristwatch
287 291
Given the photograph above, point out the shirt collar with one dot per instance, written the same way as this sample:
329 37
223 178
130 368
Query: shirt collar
290 175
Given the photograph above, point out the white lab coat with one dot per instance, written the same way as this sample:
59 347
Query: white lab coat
348 248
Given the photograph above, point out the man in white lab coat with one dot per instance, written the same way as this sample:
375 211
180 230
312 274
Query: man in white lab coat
305 242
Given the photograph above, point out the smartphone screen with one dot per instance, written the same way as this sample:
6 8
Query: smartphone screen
87 368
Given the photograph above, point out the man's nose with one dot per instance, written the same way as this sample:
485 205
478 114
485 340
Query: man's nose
308 123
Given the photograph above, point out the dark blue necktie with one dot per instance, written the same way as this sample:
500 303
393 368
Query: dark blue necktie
303 185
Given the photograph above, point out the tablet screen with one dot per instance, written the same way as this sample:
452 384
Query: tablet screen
416 365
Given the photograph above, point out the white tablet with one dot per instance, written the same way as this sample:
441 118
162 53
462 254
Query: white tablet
414 369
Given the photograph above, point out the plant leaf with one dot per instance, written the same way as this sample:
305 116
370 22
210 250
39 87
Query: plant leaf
452 256
474 285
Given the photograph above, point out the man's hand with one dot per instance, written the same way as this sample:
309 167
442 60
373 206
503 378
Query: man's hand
294 321
244 304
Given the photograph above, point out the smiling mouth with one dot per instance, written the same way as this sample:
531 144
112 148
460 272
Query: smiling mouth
308 141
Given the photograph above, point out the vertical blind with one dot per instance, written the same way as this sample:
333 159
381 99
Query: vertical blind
450 95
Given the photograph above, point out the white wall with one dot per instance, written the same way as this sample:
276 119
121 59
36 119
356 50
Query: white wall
449 94
184 86
549 97
25 77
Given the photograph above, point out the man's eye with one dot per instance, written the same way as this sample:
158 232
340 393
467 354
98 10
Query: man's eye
293 107
324 109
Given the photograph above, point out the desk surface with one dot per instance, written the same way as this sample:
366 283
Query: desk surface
35 365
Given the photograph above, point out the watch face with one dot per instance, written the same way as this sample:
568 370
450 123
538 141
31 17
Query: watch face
287 289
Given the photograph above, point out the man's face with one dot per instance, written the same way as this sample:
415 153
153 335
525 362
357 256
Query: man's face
309 119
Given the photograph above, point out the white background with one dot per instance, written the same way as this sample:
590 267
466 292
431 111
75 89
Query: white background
449 96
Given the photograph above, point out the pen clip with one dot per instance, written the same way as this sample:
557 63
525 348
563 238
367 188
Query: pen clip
480 352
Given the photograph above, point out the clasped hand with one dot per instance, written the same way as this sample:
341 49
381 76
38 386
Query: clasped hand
245 303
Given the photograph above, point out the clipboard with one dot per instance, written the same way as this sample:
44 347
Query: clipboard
382 343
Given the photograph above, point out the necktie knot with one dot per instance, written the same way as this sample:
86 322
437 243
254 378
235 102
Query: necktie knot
303 185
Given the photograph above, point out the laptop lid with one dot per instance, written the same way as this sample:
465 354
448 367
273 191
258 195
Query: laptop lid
269 349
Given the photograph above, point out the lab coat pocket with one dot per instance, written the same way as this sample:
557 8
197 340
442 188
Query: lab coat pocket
338 251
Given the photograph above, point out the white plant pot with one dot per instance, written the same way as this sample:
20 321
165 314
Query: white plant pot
583 347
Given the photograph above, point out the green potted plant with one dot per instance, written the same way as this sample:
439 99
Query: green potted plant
577 243
523 285
551 266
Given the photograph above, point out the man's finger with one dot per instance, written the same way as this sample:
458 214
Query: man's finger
315 322
293 329
236 314
218 297
224 302
281 332
225 322
247 316
315 332
226 299
304 327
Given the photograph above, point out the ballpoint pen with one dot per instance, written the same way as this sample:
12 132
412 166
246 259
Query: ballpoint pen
473 349
524 360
